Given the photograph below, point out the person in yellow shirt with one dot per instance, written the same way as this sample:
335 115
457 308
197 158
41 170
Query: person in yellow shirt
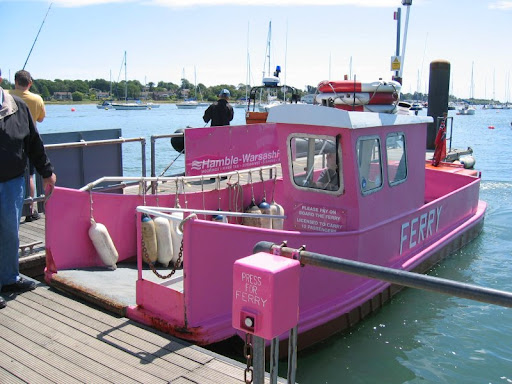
22 84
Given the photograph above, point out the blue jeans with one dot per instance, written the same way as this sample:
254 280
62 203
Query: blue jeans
12 194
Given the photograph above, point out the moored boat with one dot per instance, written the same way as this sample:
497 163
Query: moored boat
466 110
187 104
106 104
129 106
349 184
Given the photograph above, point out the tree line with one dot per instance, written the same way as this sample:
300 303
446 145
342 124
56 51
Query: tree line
102 89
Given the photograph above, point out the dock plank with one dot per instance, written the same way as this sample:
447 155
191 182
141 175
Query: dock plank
9 378
46 337
14 370
44 348
35 365
153 336
115 334
102 351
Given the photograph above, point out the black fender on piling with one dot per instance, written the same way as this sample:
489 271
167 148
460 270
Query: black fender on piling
178 143
438 92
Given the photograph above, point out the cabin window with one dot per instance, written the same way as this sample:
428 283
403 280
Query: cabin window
369 164
397 159
316 163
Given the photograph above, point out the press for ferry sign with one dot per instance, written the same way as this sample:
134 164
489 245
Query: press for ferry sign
227 149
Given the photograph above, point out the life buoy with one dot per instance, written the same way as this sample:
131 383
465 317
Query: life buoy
359 98
368 108
338 86
163 240
103 244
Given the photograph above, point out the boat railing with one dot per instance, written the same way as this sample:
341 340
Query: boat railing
450 134
82 144
153 140
161 211
390 275
271 169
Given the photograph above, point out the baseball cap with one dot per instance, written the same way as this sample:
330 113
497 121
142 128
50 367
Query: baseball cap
225 92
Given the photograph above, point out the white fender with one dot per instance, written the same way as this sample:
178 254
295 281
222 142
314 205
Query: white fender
176 236
265 209
252 221
277 209
220 218
468 161
103 244
149 237
163 240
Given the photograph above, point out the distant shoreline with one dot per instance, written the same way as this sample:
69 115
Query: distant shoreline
95 102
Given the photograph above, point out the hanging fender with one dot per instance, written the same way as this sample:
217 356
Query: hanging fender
103 244
252 221
163 240
149 239
277 209
177 236
265 209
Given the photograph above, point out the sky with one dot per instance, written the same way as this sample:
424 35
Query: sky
216 41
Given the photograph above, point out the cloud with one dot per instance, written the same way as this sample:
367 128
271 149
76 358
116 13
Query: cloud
282 3
84 3
503 5
206 3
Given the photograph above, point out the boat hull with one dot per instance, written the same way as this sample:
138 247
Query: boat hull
200 311
129 107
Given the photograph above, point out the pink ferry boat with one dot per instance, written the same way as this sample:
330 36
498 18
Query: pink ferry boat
352 185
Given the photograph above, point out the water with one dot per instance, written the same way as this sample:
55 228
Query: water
419 337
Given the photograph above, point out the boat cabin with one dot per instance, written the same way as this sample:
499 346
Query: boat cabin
347 171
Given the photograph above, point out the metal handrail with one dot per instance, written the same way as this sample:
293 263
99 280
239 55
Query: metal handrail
121 179
82 144
395 276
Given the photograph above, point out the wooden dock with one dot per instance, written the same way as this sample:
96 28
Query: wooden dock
47 337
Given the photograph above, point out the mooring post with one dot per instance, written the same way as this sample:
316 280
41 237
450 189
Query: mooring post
438 93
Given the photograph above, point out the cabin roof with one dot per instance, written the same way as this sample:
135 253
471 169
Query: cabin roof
332 117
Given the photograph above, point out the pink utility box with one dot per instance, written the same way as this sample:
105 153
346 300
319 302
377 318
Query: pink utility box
265 294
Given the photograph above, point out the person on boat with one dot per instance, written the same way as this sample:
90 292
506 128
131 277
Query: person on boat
219 112
328 178
19 140
22 84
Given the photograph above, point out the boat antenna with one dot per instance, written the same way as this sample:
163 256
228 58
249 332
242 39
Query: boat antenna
407 4
34 43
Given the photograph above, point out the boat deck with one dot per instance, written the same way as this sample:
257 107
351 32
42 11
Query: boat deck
46 337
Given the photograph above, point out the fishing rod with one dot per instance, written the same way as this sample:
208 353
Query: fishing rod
41 27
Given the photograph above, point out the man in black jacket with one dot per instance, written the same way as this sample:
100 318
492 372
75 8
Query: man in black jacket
19 141
220 112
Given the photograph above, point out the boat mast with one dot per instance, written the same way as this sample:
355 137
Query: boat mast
125 80
267 53
248 68
407 4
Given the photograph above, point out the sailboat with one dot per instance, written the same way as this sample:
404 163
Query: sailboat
126 105
467 108
189 103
